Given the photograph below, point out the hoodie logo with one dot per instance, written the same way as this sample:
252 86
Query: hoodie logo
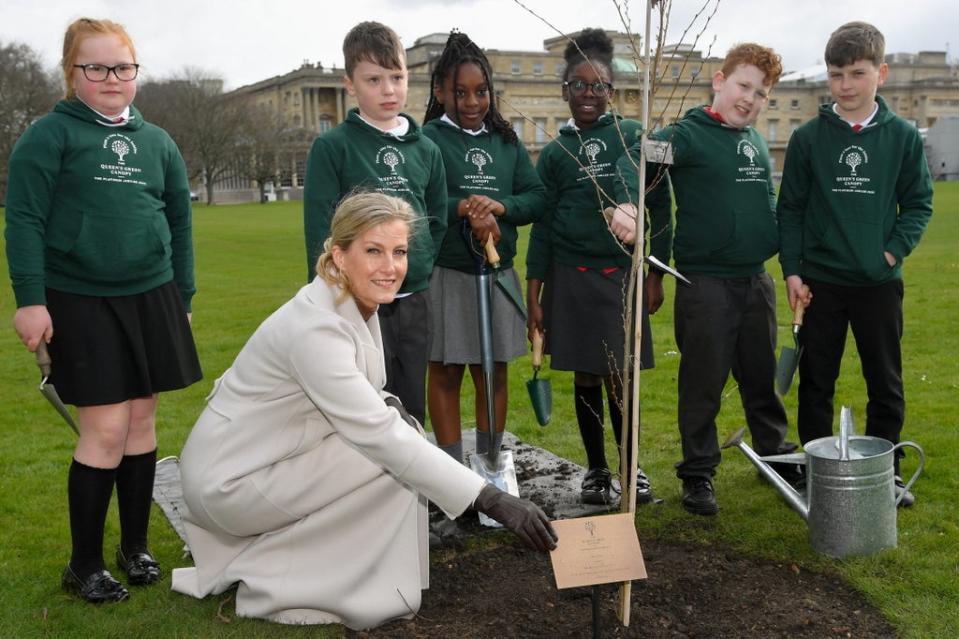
853 156
853 160
121 149
751 172
392 182
479 181
391 157
594 167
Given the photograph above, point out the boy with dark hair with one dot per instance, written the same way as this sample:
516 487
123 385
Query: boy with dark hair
855 199
725 319
379 148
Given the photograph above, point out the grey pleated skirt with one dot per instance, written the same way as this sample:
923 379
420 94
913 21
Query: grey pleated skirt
455 335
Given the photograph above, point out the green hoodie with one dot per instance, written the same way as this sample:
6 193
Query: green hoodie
722 184
578 169
485 164
847 197
97 210
356 155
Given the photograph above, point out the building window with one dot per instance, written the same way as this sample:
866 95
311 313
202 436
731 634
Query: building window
540 135
537 68
694 73
793 125
675 70
560 123
325 123
516 68
773 104
794 104
772 130
518 126
560 68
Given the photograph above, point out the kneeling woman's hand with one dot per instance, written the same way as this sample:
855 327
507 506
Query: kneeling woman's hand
523 517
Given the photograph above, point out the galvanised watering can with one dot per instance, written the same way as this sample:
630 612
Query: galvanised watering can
850 502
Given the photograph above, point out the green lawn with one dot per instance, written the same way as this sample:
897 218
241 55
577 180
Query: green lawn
250 260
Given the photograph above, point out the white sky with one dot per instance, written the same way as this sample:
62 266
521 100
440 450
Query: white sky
249 40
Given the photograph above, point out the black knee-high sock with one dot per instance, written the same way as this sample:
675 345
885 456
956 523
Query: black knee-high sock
88 491
616 419
134 497
589 416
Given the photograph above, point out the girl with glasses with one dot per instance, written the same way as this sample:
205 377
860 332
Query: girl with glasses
100 251
577 264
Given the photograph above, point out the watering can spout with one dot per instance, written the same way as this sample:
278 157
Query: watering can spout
795 500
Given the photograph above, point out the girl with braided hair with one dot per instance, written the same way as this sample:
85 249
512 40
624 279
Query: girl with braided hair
493 188
583 260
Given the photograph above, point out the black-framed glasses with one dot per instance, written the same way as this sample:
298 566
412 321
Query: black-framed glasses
599 88
100 72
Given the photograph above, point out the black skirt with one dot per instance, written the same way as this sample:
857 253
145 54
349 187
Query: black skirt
107 350
583 318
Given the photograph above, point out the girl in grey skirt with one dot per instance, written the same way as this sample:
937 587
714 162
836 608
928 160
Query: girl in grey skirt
493 188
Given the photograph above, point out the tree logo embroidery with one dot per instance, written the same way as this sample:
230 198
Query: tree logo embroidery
479 160
391 157
853 157
592 147
746 148
121 145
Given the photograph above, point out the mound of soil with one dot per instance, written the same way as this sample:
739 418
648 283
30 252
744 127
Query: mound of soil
691 592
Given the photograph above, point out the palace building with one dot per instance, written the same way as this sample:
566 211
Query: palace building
922 87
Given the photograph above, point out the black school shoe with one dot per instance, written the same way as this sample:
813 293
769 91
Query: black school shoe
596 487
644 491
141 568
699 498
99 587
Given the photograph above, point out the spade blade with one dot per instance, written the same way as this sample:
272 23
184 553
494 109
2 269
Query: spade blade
786 369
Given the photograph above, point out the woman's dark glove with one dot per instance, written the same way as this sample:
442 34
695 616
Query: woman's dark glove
519 515
393 402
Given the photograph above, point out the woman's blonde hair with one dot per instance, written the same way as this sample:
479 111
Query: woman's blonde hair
77 32
355 215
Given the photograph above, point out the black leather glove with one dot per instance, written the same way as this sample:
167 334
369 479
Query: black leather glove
393 402
521 516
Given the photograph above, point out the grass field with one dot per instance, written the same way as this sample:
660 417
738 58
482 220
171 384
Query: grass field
250 260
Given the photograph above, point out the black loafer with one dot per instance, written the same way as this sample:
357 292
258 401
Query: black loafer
699 497
596 487
141 568
908 499
100 587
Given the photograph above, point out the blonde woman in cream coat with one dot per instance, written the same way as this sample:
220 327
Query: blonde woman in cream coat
305 482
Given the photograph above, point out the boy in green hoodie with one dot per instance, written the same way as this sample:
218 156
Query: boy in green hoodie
855 199
379 148
725 319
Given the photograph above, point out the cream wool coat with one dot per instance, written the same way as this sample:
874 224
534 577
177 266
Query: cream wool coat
303 486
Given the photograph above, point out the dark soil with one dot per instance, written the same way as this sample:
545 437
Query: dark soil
691 592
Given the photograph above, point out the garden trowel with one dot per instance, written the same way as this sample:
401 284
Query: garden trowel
789 356
540 391
48 391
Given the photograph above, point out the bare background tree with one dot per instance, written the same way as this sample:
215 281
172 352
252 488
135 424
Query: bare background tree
27 91
207 127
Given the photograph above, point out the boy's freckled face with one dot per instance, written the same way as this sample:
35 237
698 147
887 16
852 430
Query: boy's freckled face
854 87
741 96
379 92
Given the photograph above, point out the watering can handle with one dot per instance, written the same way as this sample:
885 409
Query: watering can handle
537 349
915 475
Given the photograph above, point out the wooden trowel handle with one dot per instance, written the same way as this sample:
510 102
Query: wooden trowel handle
800 308
537 349
43 358
492 257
